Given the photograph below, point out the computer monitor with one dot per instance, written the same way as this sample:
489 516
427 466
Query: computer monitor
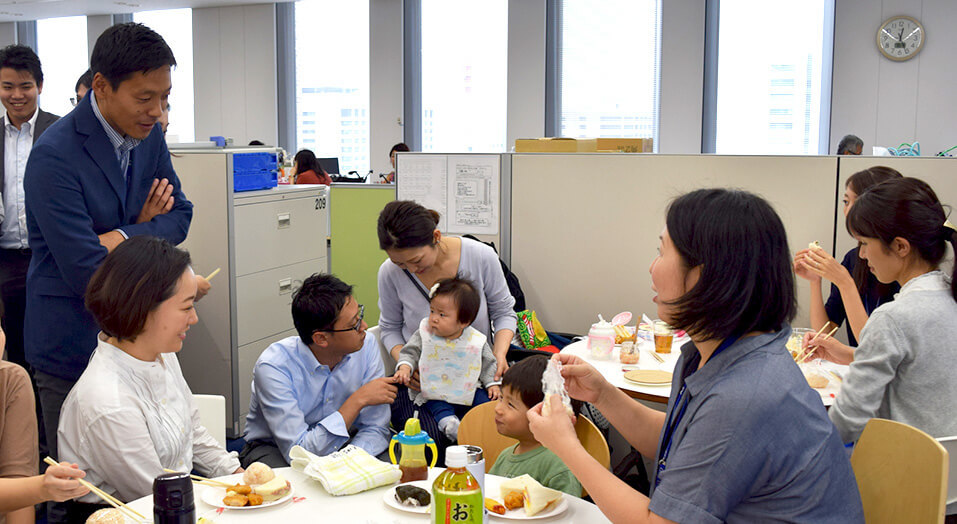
329 165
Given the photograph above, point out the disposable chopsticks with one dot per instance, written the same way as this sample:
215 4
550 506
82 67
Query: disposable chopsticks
113 501
810 348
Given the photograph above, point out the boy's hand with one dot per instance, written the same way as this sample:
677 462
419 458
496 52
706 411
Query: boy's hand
402 375
494 392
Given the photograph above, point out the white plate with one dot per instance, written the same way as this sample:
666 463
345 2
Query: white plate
214 496
519 514
492 488
389 497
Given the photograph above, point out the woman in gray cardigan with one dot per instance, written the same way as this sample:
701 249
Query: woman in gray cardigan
420 256
903 367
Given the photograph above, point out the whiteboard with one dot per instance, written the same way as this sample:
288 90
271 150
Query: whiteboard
464 189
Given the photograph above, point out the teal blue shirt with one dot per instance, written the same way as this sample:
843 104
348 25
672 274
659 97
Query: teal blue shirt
543 466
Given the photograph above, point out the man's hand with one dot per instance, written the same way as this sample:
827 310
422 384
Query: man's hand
158 202
379 391
110 240
202 287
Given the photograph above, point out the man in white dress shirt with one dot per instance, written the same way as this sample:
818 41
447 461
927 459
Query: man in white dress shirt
21 81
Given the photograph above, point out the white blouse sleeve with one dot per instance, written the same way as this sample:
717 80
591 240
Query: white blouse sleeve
120 446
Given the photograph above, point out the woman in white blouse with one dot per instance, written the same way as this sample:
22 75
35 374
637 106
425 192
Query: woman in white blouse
131 414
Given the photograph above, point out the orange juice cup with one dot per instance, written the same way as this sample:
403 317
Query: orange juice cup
664 336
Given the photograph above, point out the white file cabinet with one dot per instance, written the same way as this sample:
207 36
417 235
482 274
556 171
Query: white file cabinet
266 242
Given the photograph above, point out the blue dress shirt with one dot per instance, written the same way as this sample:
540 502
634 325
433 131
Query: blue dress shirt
296 400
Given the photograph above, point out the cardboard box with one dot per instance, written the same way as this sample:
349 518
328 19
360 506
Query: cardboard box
626 145
555 145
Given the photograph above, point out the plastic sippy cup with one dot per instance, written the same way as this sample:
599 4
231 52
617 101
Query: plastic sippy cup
601 339
413 441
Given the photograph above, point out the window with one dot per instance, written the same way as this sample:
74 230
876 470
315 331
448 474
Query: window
770 75
62 48
332 79
609 68
176 27
464 75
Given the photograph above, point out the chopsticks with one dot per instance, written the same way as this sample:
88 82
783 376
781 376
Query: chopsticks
211 275
657 357
113 501
810 349
203 480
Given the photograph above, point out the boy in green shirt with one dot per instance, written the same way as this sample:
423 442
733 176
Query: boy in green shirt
522 389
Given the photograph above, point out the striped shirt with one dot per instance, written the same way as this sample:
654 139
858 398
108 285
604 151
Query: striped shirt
121 145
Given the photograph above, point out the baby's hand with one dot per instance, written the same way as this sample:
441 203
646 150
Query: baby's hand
402 375
494 392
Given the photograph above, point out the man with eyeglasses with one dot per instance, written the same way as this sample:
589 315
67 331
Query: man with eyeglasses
323 388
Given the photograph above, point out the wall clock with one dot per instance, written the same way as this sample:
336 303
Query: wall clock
900 38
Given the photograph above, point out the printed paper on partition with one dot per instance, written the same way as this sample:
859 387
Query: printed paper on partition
423 178
473 194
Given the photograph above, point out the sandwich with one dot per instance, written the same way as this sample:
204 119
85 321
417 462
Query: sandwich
535 497
275 489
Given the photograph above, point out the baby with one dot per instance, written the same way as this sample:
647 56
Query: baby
454 359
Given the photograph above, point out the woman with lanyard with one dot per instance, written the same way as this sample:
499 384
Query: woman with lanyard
744 438
903 367
420 256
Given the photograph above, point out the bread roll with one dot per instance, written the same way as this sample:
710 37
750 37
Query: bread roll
106 516
258 473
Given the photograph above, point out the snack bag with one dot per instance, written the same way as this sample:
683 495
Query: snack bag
530 331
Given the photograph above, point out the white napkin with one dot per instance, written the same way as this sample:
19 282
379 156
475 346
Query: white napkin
347 471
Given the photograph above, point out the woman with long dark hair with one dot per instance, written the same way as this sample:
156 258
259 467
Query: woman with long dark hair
903 367
744 438
855 293
307 169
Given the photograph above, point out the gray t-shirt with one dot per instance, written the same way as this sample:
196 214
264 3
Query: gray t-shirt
754 443
402 306
903 369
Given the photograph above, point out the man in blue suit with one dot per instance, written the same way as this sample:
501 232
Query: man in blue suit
99 175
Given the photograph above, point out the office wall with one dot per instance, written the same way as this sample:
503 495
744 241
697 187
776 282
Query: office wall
526 71
385 81
234 79
581 248
681 81
885 102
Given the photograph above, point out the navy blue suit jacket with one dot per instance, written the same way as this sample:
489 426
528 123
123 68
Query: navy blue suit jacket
74 191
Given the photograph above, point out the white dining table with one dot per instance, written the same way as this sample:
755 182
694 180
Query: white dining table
311 503
614 371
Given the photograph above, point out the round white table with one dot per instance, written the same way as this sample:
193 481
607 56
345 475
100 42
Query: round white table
614 371
366 507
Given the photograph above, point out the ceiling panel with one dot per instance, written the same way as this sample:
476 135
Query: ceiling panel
25 10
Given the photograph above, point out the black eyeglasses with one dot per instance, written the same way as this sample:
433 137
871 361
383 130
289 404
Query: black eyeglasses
362 312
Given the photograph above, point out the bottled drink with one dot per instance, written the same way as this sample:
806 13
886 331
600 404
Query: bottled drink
456 495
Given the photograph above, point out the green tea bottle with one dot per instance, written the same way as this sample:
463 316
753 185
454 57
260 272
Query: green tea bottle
456 495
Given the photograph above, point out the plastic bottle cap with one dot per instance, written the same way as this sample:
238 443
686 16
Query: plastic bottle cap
456 457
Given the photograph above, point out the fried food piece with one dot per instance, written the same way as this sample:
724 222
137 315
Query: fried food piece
514 500
255 499
236 500
494 506
240 489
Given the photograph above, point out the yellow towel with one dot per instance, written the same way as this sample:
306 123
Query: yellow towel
347 471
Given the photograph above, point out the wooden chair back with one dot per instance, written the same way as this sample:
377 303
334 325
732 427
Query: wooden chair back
901 473
478 429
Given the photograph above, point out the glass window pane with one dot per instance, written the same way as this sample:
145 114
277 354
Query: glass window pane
609 65
332 81
769 76
62 48
176 27
464 75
